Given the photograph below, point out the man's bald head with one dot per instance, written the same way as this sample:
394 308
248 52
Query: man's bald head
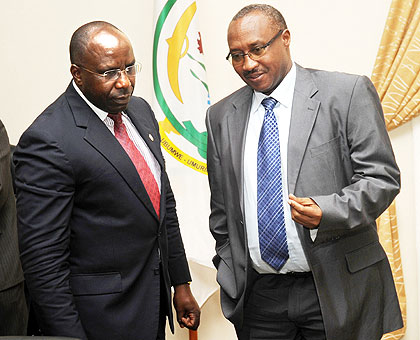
96 49
81 37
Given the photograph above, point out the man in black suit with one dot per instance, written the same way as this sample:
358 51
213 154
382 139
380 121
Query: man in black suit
13 310
98 230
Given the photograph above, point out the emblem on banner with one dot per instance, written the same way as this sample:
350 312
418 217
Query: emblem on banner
179 82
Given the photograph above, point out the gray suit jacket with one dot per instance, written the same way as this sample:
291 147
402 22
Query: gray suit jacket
339 154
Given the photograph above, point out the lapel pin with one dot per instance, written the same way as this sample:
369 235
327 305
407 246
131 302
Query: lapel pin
151 137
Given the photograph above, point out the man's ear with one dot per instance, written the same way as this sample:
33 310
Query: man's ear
286 37
75 72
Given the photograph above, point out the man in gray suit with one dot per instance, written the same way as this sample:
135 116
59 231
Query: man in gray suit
13 310
300 166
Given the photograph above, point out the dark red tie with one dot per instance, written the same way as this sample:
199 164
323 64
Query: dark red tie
138 160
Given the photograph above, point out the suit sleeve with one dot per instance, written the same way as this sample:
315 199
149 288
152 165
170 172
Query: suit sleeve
177 261
375 180
218 220
178 269
45 189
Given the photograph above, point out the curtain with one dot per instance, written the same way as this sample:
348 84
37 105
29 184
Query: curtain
396 72
396 77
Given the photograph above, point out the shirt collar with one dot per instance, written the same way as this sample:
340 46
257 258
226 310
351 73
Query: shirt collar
283 93
100 113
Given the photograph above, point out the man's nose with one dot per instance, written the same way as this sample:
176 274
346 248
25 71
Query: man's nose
123 80
249 64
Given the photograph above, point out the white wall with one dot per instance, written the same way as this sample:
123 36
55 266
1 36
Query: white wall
328 34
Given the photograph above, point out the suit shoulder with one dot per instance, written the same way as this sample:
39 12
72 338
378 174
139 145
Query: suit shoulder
335 78
233 97
224 105
333 84
139 103
50 120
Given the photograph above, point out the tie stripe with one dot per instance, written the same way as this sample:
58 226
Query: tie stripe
271 224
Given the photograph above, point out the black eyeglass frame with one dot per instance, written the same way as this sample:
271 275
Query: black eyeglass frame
250 54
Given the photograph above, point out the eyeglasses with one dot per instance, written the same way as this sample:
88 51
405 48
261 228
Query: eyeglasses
114 74
255 53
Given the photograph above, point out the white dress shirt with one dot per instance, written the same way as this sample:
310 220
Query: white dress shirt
284 95
132 133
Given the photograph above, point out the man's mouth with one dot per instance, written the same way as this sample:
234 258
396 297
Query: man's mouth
122 98
253 75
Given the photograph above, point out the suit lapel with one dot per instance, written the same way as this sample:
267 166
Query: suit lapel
304 112
100 138
237 122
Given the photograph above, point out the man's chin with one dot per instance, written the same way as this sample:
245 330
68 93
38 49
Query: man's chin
263 88
257 85
118 106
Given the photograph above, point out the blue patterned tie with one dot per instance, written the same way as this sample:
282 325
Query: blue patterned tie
271 226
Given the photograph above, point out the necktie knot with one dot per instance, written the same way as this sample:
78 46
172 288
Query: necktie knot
269 103
117 118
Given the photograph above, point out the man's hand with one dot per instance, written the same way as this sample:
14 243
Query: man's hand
305 211
187 310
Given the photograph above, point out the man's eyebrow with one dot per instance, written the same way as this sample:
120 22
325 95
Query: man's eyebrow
252 45
105 69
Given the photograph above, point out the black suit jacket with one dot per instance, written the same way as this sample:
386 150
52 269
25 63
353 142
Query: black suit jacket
90 240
